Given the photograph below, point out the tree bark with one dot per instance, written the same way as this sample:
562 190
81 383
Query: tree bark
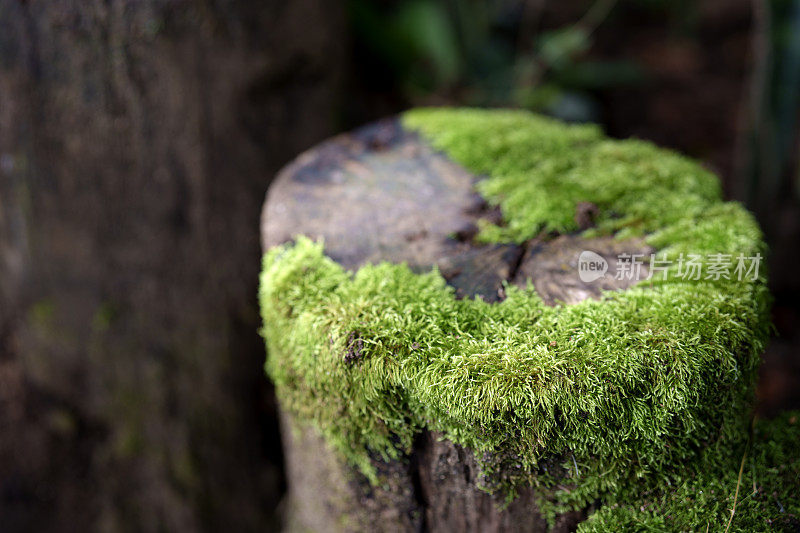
137 138
382 194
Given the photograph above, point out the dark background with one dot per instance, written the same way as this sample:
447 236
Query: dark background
137 141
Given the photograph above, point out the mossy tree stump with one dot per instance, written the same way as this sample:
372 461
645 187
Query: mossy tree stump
381 194
385 194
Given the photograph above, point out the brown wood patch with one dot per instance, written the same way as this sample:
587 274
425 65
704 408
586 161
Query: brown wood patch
553 267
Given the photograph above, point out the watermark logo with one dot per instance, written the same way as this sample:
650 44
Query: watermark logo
635 267
591 266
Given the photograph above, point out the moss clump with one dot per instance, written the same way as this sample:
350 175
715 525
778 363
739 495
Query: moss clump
539 169
768 496
589 397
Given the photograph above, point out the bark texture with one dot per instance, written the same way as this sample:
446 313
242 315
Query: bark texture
137 138
382 194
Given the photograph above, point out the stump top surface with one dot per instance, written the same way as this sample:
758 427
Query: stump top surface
378 194
381 193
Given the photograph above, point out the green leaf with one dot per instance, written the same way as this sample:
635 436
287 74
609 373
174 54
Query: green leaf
425 29
560 47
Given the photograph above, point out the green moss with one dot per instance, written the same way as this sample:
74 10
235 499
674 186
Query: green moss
579 400
768 498
540 169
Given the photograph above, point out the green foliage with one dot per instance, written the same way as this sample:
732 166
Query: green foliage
579 400
559 48
417 41
489 54
768 498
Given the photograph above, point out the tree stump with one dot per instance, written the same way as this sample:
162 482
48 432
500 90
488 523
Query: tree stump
449 363
382 194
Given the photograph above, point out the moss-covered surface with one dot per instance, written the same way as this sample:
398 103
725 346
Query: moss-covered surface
580 400
765 469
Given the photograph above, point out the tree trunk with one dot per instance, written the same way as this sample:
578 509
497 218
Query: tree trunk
381 194
137 138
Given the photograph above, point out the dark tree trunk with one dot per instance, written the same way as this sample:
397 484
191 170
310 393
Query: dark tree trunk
137 138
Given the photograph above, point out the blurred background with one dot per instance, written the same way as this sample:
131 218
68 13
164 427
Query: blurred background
137 141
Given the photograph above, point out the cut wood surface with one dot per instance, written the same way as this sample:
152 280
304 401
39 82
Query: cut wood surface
382 194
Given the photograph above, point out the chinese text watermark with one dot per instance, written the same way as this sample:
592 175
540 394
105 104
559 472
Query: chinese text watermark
635 267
